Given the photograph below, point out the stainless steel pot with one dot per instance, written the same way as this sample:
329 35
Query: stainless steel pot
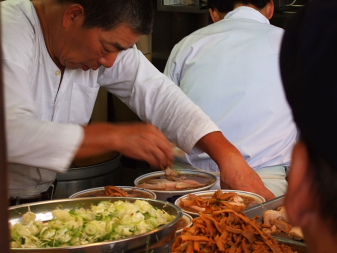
157 241
80 178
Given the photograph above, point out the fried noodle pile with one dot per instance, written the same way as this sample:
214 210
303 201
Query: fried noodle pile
226 231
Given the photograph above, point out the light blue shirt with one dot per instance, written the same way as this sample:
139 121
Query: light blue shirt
230 69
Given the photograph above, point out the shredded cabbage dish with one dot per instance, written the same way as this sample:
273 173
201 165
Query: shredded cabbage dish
105 221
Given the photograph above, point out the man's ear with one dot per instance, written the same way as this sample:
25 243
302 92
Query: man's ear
268 10
298 201
215 15
73 13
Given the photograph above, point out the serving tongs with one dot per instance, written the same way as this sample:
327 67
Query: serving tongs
259 209
179 165
283 238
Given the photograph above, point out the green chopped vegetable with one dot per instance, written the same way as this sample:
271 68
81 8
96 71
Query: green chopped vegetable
102 222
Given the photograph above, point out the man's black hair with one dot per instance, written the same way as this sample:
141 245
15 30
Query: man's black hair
223 6
260 4
108 14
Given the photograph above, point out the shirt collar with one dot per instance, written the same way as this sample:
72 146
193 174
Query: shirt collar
248 13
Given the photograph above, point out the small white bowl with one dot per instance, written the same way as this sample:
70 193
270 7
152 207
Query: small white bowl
258 199
186 221
171 196
90 192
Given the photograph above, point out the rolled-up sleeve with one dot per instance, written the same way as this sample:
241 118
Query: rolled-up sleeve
156 99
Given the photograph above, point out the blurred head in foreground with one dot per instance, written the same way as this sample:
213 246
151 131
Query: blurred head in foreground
308 68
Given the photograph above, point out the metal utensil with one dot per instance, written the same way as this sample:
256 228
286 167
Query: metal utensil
273 204
178 165
258 210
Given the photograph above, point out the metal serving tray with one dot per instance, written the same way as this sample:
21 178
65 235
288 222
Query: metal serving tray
273 204
159 240
259 209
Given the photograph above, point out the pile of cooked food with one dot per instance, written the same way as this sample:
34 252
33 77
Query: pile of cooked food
276 222
174 181
109 191
229 231
105 221
115 191
219 200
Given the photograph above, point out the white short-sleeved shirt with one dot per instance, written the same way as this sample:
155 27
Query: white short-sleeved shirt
230 69
43 117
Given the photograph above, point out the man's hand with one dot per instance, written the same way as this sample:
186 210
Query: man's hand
140 141
235 173
244 178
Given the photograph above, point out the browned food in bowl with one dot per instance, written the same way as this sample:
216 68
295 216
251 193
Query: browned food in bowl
276 222
183 222
183 182
114 191
219 200
89 161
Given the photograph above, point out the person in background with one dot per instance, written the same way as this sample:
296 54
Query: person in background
219 8
56 56
231 70
308 67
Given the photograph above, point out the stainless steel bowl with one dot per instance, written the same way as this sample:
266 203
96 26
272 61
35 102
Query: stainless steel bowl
129 189
171 195
85 177
159 240
257 198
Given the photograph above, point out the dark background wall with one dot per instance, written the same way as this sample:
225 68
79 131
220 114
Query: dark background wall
171 26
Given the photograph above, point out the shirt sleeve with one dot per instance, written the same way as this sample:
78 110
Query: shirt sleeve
31 141
172 69
156 99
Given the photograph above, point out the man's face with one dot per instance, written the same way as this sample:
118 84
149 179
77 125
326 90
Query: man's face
90 48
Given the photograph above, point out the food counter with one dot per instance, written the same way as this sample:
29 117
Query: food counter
222 212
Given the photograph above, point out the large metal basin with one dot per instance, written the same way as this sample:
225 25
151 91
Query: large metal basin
157 241
84 177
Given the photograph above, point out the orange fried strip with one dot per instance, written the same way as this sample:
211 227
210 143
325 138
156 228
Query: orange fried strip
114 191
226 231
196 245
194 238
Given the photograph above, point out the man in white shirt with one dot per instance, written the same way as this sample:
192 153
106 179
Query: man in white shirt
230 69
56 55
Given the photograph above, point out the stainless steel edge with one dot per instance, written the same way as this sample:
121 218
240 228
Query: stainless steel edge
258 210
273 204
157 241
